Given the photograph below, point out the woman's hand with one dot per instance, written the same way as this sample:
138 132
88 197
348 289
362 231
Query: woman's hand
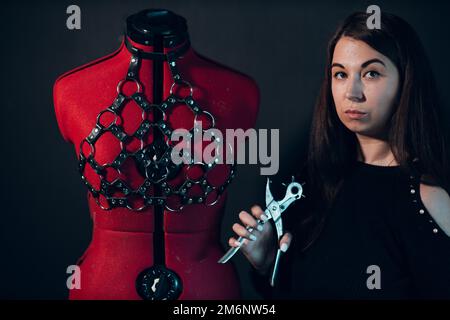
259 246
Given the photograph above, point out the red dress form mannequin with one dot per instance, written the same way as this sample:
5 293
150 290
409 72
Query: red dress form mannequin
122 242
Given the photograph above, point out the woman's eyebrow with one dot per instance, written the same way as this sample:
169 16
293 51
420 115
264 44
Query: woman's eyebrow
363 65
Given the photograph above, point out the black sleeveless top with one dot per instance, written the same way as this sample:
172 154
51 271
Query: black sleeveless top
378 242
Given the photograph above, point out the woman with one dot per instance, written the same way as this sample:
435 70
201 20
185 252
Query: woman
376 219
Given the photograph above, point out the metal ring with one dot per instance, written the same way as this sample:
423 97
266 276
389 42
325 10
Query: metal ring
215 201
121 82
190 166
100 205
172 209
217 152
114 122
163 112
225 155
157 181
109 165
128 206
191 89
213 120
92 149
137 210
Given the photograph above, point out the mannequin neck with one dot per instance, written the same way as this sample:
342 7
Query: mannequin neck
156 30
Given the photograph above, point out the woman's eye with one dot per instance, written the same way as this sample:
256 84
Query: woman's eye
339 75
372 74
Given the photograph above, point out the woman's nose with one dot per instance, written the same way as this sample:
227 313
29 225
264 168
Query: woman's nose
355 90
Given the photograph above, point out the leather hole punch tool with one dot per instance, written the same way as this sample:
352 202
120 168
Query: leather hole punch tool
273 212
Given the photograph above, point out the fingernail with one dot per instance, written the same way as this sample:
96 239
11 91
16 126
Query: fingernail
263 217
284 247
260 227
252 237
237 243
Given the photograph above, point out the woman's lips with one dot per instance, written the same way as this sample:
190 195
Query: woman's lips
354 114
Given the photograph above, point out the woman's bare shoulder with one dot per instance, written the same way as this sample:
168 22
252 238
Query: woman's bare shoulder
437 201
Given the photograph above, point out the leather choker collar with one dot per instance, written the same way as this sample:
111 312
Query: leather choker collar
173 54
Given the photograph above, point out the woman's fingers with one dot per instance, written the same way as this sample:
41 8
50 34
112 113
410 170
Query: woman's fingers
232 242
243 232
258 212
285 241
248 220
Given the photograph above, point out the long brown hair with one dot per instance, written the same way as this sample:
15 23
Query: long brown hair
415 129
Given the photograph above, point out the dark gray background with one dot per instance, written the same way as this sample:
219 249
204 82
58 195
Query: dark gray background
45 224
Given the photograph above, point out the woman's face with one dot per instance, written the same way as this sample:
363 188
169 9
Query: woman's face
363 80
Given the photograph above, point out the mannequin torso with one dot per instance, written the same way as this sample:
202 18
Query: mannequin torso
122 240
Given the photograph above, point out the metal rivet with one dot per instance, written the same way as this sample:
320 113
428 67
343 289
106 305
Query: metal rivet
413 191
435 230
421 211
